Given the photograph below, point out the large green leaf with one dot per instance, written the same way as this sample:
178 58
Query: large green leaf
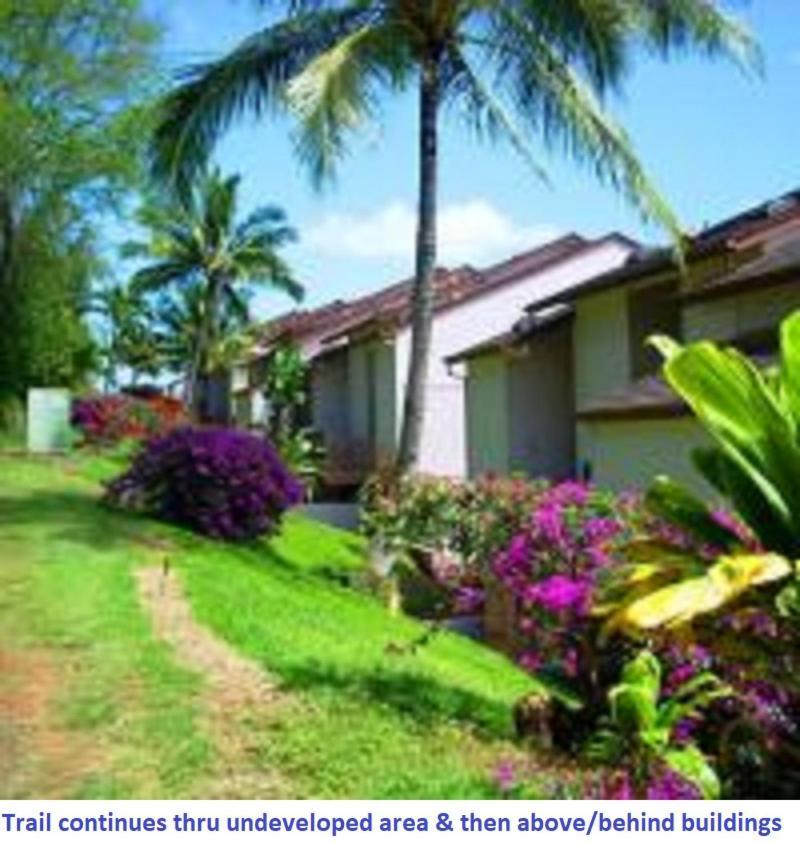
634 701
730 397
741 490
691 697
693 766
790 365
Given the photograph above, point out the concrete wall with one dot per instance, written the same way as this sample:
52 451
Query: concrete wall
366 397
358 392
629 454
520 409
384 381
330 410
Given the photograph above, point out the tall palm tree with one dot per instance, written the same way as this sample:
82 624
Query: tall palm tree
514 68
196 240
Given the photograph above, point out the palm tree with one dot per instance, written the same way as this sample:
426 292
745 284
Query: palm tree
514 68
196 240
177 322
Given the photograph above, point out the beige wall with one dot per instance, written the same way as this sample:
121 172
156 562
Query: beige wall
629 454
600 341
330 411
371 396
725 319
385 398
520 411
487 415
541 406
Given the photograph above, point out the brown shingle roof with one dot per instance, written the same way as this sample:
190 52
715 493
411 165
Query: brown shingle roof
454 287
390 307
729 234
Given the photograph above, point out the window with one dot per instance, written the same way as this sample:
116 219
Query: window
651 310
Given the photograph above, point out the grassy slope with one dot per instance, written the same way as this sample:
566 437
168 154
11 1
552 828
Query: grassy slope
66 591
361 720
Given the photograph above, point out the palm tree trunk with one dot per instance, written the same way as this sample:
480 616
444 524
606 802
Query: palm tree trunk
423 292
204 337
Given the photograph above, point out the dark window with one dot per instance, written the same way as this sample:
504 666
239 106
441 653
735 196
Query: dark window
651 310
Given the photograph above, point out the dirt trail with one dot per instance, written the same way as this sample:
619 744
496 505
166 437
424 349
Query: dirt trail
37 756
239 701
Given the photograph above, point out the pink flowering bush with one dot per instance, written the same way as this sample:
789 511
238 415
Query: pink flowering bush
450 529
552 566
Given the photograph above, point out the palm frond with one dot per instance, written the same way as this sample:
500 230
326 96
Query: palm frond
162 275
697 26
486 113
250 79
268 268
336 93
550 96
267 223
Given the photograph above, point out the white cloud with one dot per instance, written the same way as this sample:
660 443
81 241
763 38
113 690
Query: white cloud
473 231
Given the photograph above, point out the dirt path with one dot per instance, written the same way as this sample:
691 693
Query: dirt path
239 701
36 754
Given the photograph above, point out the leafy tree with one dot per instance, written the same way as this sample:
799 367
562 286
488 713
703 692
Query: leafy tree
128 338
198 241
514 68
70 74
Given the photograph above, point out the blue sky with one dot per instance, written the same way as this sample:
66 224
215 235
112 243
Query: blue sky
714 140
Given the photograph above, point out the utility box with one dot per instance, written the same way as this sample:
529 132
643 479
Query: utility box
48 420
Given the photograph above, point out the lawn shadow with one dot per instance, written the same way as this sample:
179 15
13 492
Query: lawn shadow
428 701
75 517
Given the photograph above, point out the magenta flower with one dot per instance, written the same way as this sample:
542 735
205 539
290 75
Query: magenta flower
504 776
530 661
560 593
669 785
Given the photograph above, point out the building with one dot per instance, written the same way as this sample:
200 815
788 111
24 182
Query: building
359 352
574 389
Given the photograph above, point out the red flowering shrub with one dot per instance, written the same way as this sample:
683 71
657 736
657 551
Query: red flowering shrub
107 419
219 482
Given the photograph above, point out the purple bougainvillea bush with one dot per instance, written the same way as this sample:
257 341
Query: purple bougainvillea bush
219 482
552 567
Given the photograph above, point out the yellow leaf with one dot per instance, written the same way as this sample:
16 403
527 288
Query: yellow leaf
726 580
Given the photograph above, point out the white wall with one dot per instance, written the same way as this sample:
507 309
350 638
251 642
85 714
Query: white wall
444 449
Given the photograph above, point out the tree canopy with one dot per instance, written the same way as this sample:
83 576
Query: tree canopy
76 78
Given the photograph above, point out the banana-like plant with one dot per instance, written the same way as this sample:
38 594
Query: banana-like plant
640 727
753 419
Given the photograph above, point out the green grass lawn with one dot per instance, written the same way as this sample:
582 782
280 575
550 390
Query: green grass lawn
357 717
